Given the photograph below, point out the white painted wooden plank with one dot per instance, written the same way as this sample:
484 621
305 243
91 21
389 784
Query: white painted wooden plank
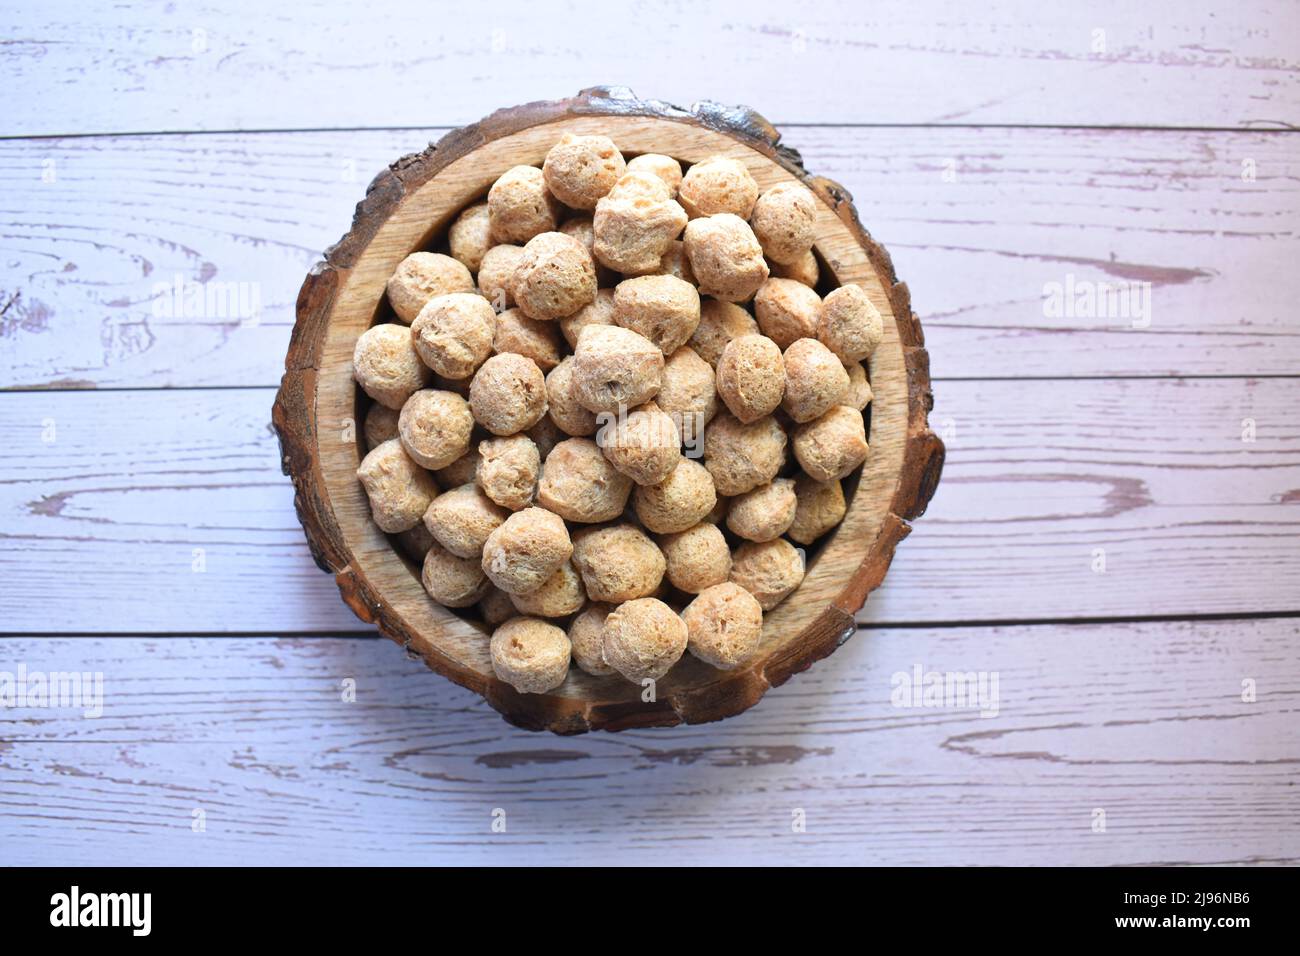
67 68
1145 722
980 222
101 525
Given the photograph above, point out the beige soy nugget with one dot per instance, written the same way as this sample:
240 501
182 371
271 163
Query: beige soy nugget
546 436
452 581
644 444
787 311
849 325
532 338
820 508
831 446
562 401
422 276
751 377
765 512
587 637
462 519
387 367
496 607
453 333
399 490
688 395
496 273
804 269
560 596
725 256
643 639
380 425
615 368
662 308
769 570
435 428
697 558
618 563
508 394
741 457
531 656
580 484
858 394
724 625
636 224
508 470
460 471
681 500
599 311
526 550
815 380
784 219
555 277
665 168
520 206
720 322
718 185
580 170
470 236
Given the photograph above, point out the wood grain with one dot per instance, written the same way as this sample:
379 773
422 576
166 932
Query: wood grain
243 65
88 255
1143 721
99 527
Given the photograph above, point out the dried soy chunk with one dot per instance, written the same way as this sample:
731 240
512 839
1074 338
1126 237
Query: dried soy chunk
635 224
496 606
617 563
459 472
508 470
580 484
520 206
532 338
562 402
643 444
804 269
663 167
415 542
452 581
716 185
531 656
526 550
462 519
858 394
831 446
554 278
643 639
765 512
453 334
751 377
434 428
688 395
399 490
496 273
743 456
615 368
849 325
560 596
676 263
783 219
787 311
545 436
587 637
680 501
720 322
769 570
815 380
724 625
725 256
422 276
697 558
600 311
508 394
580 170
386 365
820 508
470 236
380 425
662 308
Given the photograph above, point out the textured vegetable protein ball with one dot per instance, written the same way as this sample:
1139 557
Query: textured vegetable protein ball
724 625
815 380
497 272
688 395
741 456
415 542
764 513
656 164
769 570
452 581
386 365
615 368
579 170
453 333
636 224
546 436
380 425
618 563
435 428
804 269
697 558
508 394
532 338
787 311
725 256
462 519
831 446
675 263
849 325
399 490
783 220
599 311
508 470
718 185
560 596
526 550
680 501
460 471
720 322
643 639
496 606
422 276
858 395
555 277
644 444
662 308
587 637
580 484
562 401
820 508
520 206
470 236
751 377
531 656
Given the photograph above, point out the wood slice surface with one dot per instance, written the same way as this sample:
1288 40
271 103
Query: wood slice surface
317 412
